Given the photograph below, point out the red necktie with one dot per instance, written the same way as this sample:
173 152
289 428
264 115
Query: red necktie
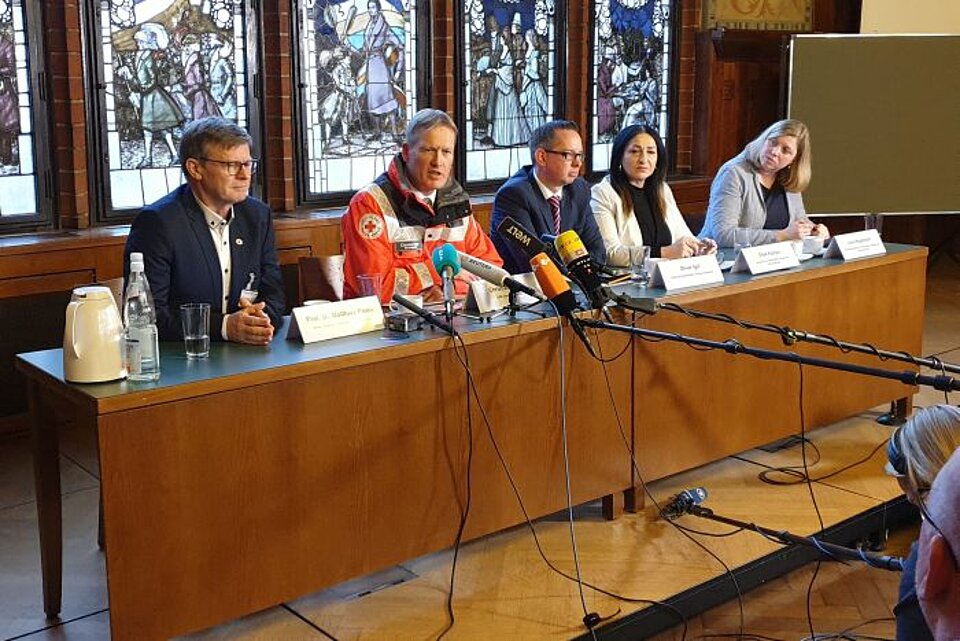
555 209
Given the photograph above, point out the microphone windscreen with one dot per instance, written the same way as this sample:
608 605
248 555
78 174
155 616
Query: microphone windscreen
552 283
569 246
521 237
446 256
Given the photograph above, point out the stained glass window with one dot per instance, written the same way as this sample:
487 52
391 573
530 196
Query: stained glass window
631 60
18 174
509 67
165 63
359 78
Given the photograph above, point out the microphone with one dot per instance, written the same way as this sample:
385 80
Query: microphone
578 261
430 317
524 240
447 263
644 305
555 288
496 275
682 502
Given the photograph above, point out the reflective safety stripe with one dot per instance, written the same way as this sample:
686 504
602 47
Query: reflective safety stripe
423 273
401 281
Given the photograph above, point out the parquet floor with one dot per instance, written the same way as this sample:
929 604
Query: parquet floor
503 589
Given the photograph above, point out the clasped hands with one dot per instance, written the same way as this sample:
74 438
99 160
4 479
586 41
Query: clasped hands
800 229
250 324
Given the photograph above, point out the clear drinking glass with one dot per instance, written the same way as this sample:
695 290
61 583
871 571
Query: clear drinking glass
195 320
741 238
638 265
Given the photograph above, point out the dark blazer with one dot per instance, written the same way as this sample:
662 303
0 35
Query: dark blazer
182 266
521 199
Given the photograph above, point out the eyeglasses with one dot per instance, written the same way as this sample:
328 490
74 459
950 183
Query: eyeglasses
233 166
569 156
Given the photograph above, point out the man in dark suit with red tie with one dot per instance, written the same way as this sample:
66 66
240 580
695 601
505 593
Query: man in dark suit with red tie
549 196
206 240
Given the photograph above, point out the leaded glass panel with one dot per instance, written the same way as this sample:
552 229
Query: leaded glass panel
631 60
18 183
509 67
359 69
165 63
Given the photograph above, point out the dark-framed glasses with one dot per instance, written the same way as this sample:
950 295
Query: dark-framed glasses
233 166
569 156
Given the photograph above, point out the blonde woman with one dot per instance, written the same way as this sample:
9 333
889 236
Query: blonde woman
760 190
915 454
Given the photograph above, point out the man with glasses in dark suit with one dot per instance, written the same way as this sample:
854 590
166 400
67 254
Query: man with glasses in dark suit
208 240
549 196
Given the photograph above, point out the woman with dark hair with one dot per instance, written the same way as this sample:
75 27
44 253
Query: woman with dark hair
760 190
915 454
634 206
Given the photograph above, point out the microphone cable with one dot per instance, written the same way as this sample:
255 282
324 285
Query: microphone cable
528 521
465 513
646 490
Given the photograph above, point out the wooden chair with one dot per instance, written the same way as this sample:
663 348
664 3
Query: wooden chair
320 278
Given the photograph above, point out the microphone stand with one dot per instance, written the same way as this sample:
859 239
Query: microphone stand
892 563
790 336
942 383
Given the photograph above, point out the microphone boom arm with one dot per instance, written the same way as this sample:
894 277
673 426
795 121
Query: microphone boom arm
834 551
942 383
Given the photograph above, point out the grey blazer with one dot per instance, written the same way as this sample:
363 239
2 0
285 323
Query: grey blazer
736 201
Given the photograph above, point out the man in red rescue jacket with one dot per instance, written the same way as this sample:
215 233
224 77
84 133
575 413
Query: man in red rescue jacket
393 224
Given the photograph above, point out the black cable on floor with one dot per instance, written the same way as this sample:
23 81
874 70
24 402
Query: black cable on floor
308 622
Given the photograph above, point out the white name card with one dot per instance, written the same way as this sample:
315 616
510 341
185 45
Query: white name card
681 273
766 258
858 244
485 297
315 323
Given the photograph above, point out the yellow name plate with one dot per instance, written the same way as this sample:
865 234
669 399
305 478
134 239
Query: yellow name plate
314 323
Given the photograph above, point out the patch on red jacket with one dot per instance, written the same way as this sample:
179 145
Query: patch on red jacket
371 226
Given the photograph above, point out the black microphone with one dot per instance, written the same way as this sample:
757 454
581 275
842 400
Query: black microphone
524 240
584 270
430 317
682 502
644 305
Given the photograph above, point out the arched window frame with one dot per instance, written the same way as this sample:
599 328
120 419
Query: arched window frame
674 28
95 85
39 91
461 85
423 57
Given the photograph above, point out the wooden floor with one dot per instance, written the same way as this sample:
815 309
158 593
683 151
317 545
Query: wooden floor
503 589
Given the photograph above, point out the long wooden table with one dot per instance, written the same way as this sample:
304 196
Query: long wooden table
259 475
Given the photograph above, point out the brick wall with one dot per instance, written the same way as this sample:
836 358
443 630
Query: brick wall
68 135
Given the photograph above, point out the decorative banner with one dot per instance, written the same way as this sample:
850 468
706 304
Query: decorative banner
760 15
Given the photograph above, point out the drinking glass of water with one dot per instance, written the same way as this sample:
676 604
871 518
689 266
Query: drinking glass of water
195 320
741 238
639 258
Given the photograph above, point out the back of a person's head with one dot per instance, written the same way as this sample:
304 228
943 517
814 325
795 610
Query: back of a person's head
927 440
938 566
